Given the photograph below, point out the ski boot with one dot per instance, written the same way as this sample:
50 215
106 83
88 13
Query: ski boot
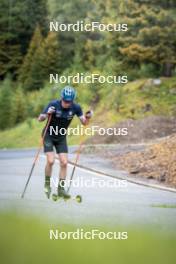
62 193
47 190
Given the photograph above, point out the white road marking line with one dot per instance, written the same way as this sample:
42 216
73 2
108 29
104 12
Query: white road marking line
131 181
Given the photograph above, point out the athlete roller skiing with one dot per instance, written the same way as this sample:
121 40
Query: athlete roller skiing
62 112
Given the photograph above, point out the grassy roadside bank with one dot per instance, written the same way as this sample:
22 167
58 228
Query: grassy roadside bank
27 135
136 100
25 239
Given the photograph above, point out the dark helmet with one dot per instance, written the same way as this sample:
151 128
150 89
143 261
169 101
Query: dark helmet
68 93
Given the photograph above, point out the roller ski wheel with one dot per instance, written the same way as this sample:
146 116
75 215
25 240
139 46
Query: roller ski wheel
56 197
63 194
78 198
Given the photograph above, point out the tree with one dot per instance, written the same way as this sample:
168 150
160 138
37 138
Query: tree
47 60
29 60
7 117
159 3
151 38
17 24
70 12
51 54
102 47
43 58
20 107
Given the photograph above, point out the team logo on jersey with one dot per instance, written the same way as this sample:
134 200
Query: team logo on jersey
70 115
58 113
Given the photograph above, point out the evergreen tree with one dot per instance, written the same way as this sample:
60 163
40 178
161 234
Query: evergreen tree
70 12
18 21
20 107
100 47
43 58
25 76
47 60
7 117
151 38
10 52
51 54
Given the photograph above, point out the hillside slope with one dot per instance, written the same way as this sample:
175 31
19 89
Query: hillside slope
134 101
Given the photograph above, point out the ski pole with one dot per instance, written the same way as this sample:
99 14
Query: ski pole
76 161
75 164
36 156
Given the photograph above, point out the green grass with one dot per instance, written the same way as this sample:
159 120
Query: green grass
27 135
164 205
26 240
131 100
24 135
159 97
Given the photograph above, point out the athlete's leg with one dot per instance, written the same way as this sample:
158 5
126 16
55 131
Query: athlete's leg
63 159
48 172
49 163
62 150
48 149
62 175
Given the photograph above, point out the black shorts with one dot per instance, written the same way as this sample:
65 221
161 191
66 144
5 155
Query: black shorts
60 144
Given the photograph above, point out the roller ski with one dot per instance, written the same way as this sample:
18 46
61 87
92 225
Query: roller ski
77 198
62 194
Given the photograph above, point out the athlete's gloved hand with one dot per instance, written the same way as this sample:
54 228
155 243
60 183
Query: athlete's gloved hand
89 114
51 110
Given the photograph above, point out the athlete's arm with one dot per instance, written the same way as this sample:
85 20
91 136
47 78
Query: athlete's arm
47 111
42 117
86 118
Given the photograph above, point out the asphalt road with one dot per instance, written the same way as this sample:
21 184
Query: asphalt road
110 206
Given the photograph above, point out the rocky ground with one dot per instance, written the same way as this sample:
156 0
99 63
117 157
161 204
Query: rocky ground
155 159
143 130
